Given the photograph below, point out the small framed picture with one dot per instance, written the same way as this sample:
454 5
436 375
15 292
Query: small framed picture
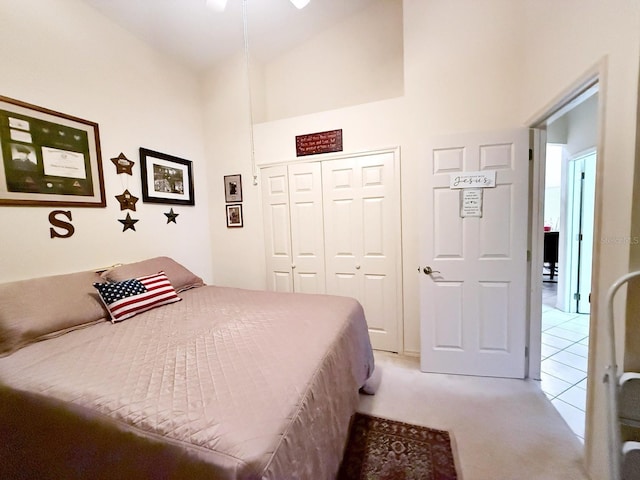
232 188
165 178
234 216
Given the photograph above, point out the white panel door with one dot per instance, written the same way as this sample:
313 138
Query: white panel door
580 211
586 233
307 230
277 229
362 225
473 306
293 226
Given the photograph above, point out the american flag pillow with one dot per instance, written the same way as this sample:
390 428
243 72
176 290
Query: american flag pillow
129 297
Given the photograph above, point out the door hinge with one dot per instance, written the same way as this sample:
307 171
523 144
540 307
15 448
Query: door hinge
530 154
526 352
528 255
576 296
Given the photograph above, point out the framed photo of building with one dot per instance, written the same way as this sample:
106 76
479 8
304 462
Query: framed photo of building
234 216
233 188
165 178
48 158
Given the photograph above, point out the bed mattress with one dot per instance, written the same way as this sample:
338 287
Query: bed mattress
226 384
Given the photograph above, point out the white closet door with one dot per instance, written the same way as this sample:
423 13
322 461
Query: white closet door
362 225
277 230
293 226
307 231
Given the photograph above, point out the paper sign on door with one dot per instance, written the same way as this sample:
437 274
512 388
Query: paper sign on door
471 205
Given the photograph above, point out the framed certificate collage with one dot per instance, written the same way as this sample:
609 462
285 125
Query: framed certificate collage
48 158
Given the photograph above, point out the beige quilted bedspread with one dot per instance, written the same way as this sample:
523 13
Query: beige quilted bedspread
234 384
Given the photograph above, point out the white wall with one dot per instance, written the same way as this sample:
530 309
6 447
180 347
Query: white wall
582 124
284 87
557 131
567 39
578 128
356 61
238 258
474 66
456 76
65 56
552 186
468 65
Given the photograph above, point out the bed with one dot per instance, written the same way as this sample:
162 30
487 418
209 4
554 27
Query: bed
222 383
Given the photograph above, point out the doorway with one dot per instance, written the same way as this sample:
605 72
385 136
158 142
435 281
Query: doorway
570 171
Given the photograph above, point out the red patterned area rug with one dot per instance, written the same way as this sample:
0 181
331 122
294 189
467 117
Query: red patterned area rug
383 449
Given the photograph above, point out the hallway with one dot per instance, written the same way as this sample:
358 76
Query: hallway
565 344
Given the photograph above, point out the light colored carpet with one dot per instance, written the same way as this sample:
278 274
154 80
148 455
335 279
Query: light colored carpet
501 429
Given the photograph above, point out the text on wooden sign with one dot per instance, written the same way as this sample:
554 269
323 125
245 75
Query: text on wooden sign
322 142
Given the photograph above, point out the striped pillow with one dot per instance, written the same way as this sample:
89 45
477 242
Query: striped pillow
129 297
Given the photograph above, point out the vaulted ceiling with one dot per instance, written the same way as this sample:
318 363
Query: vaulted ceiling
200 37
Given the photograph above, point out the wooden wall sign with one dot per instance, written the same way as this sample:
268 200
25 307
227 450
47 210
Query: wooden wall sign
322 142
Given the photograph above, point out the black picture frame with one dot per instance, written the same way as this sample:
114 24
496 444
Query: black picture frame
166 178
48 158
234 216
233 188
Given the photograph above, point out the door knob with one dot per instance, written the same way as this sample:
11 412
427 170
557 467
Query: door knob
428 270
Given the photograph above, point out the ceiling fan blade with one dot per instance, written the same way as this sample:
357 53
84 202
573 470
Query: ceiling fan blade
300 3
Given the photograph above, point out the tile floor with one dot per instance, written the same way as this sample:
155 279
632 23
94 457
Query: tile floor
565 343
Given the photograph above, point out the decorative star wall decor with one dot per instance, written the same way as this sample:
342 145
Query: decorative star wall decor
123 164
171 216
127 201
129 223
